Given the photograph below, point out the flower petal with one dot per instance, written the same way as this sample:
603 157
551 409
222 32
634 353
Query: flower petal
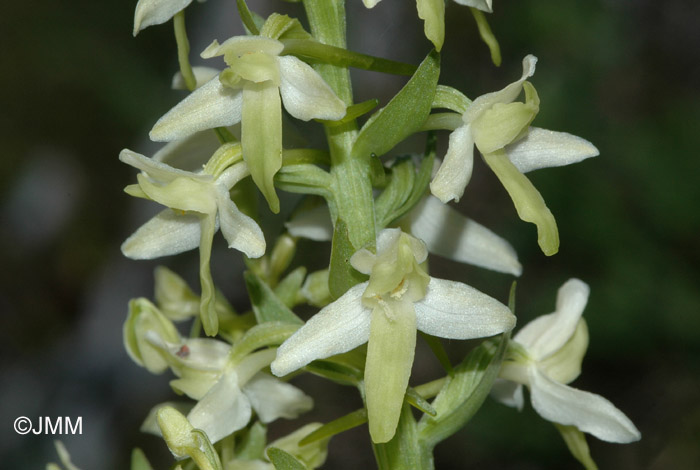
433 13
339 327
241 232
202 75
541 148
545 335
390 351
223 410
527 200
314 224
509 393
506 95
456 169
261 137
457 311
150 12
305 94
483 5
272 398
168 233
589 412
448 233
157 169
212 105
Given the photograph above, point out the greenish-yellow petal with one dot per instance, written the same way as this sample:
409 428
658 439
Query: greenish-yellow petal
261 137
392 342
433 13
527 200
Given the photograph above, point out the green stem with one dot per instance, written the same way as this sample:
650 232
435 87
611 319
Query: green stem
183 50
350 176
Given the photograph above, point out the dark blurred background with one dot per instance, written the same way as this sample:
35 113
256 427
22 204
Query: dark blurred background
76 88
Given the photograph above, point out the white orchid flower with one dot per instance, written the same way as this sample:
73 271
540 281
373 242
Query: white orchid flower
444 231
152 12
199 203
499 127
249 92
547 355
228 392
385 312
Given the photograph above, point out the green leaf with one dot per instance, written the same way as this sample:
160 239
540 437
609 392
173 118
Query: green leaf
288 288
247 17
266 305
342 275
396 192
404 115
337 372
463 394
252 446
139 460
349 421
417 401
283 460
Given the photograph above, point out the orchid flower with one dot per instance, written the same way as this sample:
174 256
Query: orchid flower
444 231
499 127
385 312
199 203
227 391
546 355
152 12
249 92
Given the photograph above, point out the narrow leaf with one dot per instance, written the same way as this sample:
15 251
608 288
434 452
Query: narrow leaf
349 421
415 399
139 460
405 113
463 394
284 461
266 305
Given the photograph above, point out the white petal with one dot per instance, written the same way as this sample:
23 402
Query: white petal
168 233
506 95
589 412
545 335
223 410
509 393
241 232
448 233
240 45
456 169
457 311
156 169
150 12
314 224
541 148
483 5
370 3
363 260
338 328
212 105
304 93
202 75
272 398
204 354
